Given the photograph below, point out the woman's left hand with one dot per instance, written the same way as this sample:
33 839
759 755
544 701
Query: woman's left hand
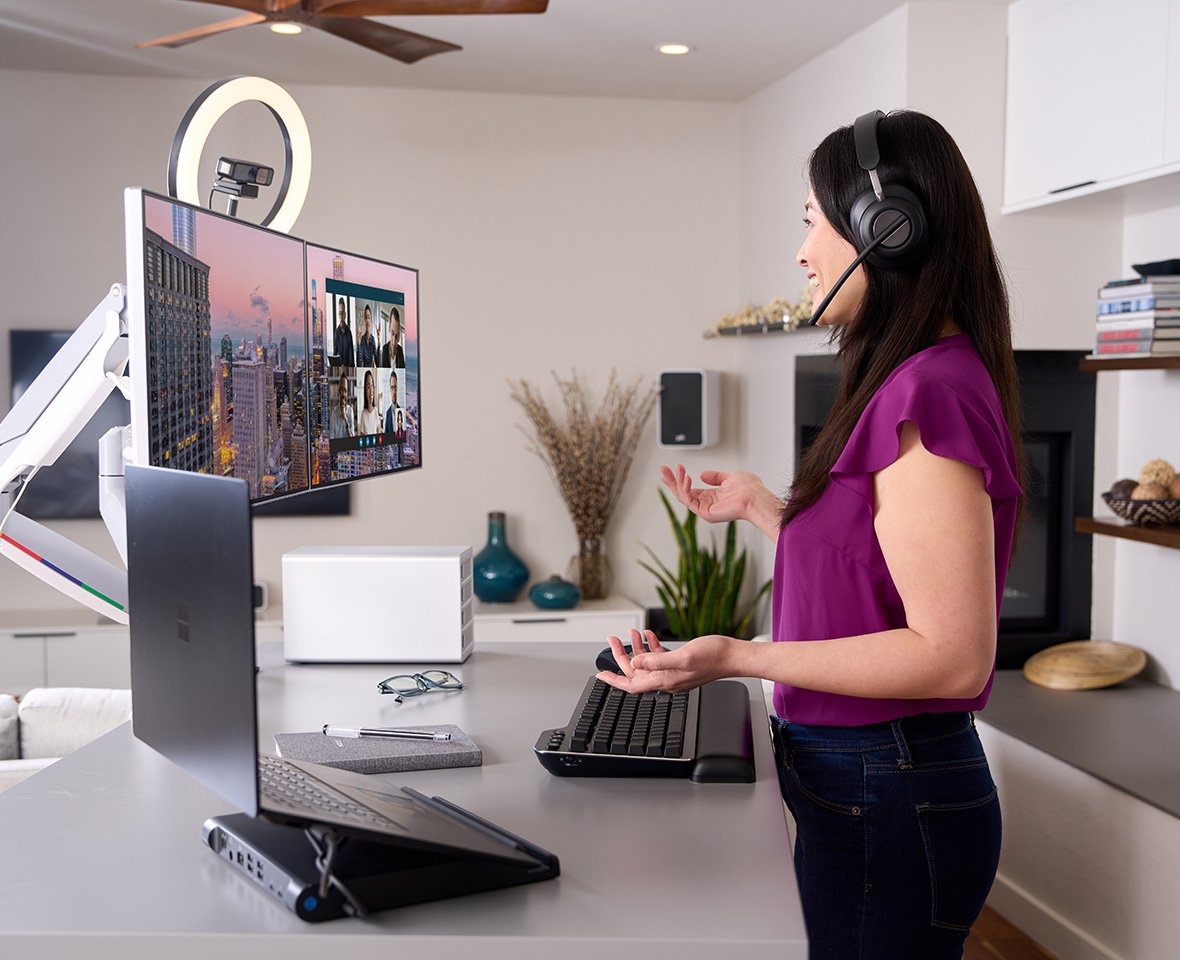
697 662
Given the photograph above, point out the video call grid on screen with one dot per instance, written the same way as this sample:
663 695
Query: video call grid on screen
244 365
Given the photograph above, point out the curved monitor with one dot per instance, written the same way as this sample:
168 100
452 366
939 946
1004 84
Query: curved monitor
289 365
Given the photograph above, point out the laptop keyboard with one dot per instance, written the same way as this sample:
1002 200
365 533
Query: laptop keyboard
287 786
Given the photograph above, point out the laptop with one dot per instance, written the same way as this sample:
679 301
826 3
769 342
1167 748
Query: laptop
194 699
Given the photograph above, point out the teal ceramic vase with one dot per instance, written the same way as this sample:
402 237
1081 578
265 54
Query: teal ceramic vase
499 573
555 594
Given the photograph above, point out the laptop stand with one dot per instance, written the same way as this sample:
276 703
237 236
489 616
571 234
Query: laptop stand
320 874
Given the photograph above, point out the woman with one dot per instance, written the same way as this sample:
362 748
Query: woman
399 438
370 421
892 547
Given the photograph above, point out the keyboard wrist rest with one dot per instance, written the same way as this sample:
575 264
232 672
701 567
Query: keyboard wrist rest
725 743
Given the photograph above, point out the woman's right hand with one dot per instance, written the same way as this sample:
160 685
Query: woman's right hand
727 495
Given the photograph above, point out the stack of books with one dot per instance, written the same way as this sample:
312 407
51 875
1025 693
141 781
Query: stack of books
1139 317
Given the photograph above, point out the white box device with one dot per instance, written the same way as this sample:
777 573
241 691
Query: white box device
377 605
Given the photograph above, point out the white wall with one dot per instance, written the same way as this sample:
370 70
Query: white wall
551 234
780 126
1145 576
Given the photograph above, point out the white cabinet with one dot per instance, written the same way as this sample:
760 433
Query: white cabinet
591 620
22 662
98 657
1086 95
62 649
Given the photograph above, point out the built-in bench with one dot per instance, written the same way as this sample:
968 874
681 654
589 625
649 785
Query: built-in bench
1127 735
1090 792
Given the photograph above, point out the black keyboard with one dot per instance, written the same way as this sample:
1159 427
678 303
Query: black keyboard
703 734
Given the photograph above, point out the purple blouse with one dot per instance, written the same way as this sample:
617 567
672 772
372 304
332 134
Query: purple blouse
830 577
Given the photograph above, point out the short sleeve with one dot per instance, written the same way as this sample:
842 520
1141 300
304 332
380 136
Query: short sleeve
951 425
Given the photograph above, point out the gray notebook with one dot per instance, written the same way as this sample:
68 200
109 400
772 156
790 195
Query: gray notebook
382 754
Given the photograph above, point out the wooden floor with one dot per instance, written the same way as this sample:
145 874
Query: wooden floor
994 938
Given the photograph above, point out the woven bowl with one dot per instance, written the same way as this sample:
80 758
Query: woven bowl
1084 665
1145 511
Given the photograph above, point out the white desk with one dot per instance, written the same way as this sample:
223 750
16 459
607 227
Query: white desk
102 855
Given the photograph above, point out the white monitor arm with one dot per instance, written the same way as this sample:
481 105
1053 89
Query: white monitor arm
41 424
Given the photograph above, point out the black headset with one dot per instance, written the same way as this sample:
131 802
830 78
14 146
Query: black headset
882 209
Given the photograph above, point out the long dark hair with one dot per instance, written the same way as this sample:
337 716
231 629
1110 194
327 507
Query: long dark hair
904 311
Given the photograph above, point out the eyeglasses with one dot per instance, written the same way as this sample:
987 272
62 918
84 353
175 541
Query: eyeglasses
415 684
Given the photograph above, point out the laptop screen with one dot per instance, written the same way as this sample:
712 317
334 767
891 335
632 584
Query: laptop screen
190 597
193 693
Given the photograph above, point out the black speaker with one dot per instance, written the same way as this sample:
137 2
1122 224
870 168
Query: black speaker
689 408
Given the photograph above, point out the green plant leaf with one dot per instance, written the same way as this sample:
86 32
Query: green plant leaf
663 572
702 597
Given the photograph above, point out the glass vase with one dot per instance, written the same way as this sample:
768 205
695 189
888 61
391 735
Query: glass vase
500 574
590 568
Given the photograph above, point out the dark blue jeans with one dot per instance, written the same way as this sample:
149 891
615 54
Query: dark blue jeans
898 834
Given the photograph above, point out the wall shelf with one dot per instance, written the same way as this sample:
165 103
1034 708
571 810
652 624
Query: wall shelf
1130 363
1163 536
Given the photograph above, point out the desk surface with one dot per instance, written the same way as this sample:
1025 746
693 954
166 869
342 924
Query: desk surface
102 853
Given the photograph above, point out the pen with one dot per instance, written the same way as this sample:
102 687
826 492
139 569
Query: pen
389 732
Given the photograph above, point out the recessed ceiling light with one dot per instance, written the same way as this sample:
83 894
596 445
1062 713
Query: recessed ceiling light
674 49
287 29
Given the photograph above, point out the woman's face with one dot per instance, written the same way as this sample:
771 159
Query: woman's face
368 390
825 255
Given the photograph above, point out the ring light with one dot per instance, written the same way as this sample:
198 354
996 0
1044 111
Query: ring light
210 107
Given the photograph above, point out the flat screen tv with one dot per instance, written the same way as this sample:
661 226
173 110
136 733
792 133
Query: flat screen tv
68 488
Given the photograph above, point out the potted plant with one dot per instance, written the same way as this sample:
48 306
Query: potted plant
703 595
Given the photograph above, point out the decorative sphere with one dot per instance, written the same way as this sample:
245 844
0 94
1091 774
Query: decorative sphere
1149 491
1158 472
1122 489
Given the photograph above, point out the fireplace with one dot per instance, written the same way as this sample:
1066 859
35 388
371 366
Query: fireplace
1047 593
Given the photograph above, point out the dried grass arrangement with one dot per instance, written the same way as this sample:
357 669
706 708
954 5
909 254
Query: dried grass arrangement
588 452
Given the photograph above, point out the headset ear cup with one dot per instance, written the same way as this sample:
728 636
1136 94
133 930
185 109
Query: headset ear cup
870 217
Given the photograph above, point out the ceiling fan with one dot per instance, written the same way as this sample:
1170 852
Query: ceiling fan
346 19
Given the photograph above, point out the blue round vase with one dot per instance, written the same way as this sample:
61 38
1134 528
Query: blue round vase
499 573
555 594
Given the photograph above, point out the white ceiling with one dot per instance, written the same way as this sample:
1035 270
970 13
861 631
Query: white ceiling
602 48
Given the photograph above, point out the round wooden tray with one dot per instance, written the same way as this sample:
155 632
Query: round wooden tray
1084 665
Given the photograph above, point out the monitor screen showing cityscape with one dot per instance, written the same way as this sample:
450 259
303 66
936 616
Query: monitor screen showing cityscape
245 373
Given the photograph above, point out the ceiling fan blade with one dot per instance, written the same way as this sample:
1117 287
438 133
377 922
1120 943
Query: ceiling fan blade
400 44
254 6
411 8
199 33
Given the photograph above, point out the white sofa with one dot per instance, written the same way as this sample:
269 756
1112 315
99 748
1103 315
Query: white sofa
49 722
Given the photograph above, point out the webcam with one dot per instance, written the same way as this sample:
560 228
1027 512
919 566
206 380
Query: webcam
244 172
239 179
